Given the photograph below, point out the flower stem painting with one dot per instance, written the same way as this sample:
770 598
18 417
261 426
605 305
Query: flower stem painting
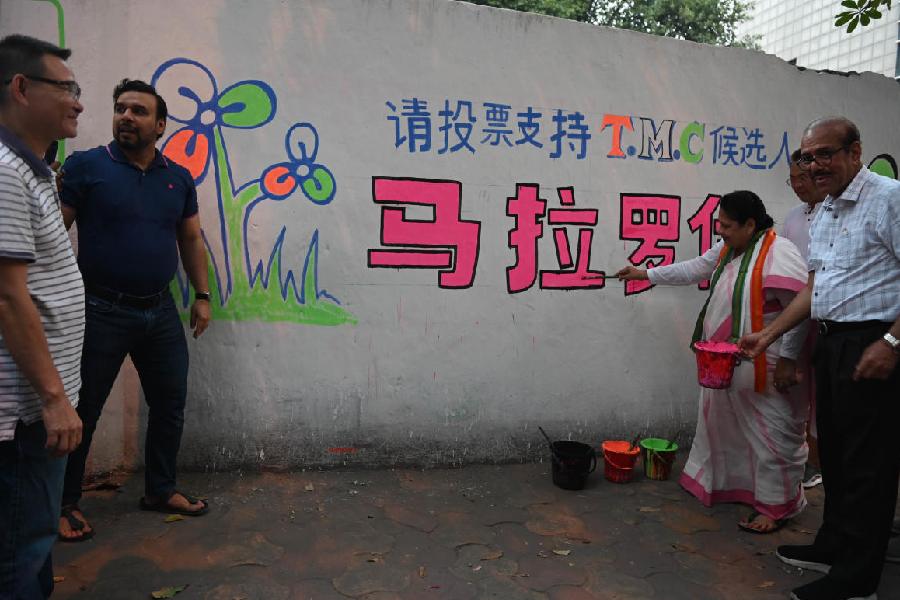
248 289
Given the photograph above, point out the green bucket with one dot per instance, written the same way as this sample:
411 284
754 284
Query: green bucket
658 457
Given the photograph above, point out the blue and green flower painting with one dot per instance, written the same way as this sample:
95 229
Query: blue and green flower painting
244 289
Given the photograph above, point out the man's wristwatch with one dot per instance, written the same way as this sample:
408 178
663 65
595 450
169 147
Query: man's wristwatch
893 342
202 296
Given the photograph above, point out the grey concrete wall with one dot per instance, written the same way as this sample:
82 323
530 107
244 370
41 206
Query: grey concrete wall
379 366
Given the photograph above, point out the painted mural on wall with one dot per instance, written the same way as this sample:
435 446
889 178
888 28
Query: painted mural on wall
263 289
450 245
61 42
248 289
652 220
884 164
562 133
245 289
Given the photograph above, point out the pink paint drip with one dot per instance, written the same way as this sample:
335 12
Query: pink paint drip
718 347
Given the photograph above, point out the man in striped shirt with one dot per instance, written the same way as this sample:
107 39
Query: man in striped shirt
854 294
41 313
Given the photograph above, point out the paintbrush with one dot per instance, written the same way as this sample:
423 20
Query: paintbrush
634 442
546 437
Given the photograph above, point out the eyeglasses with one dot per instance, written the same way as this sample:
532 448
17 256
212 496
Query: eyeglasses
69 86
821 157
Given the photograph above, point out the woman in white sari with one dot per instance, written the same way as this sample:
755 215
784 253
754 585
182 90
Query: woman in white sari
750 445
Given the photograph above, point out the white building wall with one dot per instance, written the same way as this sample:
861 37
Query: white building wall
804 31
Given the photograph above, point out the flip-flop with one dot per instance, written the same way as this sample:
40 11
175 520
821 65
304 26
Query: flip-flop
163 506
75 524
745 525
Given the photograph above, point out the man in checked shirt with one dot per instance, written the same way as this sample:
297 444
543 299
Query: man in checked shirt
854 294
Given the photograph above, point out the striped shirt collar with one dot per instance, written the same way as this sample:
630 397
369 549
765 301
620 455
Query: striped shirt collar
15 143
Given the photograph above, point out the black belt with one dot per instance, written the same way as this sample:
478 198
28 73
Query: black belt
125 299
829 327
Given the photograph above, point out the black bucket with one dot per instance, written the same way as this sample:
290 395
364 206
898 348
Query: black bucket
571 463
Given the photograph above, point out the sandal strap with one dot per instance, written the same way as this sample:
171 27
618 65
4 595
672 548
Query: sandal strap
67 513
189 498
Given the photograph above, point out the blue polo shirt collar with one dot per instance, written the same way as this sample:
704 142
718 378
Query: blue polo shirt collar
15 143
115 153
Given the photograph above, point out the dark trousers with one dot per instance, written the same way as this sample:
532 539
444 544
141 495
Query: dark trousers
30 487
857 423
154 337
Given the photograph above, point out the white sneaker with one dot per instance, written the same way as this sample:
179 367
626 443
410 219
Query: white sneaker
811 477
804 557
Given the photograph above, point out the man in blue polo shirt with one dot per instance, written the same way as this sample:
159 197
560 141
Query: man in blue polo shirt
135 211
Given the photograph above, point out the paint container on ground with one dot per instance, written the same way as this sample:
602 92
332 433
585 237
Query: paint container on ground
571 463
715 363
619 458
658 456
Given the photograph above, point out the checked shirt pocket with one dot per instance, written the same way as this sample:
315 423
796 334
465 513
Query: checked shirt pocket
851 244
847 247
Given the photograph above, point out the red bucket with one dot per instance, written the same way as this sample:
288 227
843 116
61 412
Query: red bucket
715 363
618 460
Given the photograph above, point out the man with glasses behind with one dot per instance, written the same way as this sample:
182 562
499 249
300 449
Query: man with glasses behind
794 366
41 313
854 294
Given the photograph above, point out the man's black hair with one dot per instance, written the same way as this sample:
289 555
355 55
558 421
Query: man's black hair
136 85
24 54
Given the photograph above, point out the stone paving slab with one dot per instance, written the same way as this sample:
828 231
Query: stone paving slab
480 532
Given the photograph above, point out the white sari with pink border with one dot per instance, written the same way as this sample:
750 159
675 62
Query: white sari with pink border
749 447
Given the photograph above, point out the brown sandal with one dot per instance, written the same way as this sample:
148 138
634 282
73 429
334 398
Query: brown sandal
747 525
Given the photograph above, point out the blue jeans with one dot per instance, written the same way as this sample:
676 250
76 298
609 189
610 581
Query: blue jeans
154 337
30 489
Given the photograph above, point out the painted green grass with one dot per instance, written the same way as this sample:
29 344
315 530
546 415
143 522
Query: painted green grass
266 304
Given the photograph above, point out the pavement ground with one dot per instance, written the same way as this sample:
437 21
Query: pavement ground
500 532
